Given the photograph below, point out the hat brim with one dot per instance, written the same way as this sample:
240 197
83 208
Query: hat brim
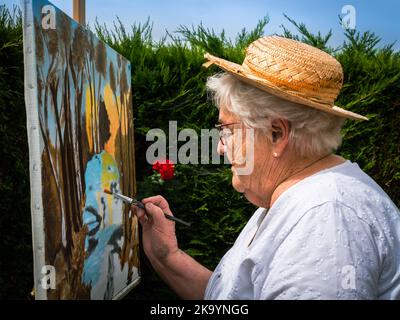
247 76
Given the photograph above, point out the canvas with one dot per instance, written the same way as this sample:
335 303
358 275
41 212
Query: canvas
81 141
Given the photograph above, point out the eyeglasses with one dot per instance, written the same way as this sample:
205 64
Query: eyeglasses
224 133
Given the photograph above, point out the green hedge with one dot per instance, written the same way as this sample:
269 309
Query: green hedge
168 84
15 224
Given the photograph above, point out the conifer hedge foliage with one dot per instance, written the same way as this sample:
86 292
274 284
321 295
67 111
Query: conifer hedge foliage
168 84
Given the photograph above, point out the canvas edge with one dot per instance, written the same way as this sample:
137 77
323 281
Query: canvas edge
120 295
33 132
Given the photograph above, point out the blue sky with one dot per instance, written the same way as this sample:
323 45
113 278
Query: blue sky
381 17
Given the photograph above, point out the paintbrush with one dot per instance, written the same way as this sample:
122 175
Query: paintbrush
140 205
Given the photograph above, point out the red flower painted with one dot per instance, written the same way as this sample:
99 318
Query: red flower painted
165 168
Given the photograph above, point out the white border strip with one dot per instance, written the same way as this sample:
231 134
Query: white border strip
33 130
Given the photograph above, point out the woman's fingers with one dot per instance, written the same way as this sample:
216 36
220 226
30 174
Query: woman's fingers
156 215
153 214
158 201
141 215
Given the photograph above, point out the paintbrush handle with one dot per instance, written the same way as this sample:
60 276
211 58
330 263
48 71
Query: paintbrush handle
176 219
140 205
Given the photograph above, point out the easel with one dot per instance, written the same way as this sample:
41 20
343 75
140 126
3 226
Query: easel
79 11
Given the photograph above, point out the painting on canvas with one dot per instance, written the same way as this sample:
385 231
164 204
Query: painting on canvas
81 141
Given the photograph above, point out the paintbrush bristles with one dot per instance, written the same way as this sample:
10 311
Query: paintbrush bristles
107 191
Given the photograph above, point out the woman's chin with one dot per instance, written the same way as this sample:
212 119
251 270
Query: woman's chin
236 184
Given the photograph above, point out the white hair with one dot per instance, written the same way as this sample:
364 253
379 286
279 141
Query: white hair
312 132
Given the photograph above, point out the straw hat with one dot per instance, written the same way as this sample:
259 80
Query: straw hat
291 70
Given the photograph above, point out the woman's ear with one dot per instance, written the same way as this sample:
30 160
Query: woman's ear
275 135
280 135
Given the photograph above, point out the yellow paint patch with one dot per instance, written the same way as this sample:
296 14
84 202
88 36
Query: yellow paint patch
89 110
124 118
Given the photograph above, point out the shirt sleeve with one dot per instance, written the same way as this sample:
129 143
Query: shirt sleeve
329 254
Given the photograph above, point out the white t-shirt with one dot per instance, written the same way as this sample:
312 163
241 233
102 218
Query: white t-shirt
333 235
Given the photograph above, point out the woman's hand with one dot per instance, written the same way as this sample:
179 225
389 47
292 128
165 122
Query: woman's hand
182 273
158 233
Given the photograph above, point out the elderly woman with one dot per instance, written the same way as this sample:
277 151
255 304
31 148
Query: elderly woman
324 229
